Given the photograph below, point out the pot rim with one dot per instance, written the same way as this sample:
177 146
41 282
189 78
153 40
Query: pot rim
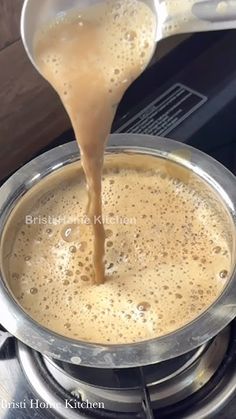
148 352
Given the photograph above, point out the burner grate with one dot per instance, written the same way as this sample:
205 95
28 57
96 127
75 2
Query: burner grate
216 387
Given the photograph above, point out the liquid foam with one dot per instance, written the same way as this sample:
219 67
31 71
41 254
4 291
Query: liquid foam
167 257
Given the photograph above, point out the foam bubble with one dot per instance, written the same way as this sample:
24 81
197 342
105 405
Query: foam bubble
70 233
33 290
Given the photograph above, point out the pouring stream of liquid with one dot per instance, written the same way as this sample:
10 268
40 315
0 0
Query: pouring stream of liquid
91 59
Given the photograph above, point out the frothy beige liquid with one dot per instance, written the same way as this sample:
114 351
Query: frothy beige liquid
90 59
167 254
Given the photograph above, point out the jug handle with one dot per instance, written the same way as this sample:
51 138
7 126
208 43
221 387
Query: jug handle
184 16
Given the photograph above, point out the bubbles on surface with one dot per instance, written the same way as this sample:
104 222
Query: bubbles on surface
72 249
130 36
217 249
83 246
110 243
84 278
70 233
66 282
223 274
33 290
68 272
143 306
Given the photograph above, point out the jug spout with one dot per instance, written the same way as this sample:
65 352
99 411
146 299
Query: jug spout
186 16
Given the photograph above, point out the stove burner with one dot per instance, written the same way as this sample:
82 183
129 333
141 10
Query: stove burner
129 378
203 380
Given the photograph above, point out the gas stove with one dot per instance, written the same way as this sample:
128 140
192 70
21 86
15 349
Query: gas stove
189 95
197 385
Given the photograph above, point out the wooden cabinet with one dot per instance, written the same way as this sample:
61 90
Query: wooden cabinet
31 114
9 21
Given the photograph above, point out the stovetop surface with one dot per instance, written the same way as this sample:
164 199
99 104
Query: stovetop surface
190 96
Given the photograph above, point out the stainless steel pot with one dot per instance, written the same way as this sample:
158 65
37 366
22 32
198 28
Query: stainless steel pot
217 178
